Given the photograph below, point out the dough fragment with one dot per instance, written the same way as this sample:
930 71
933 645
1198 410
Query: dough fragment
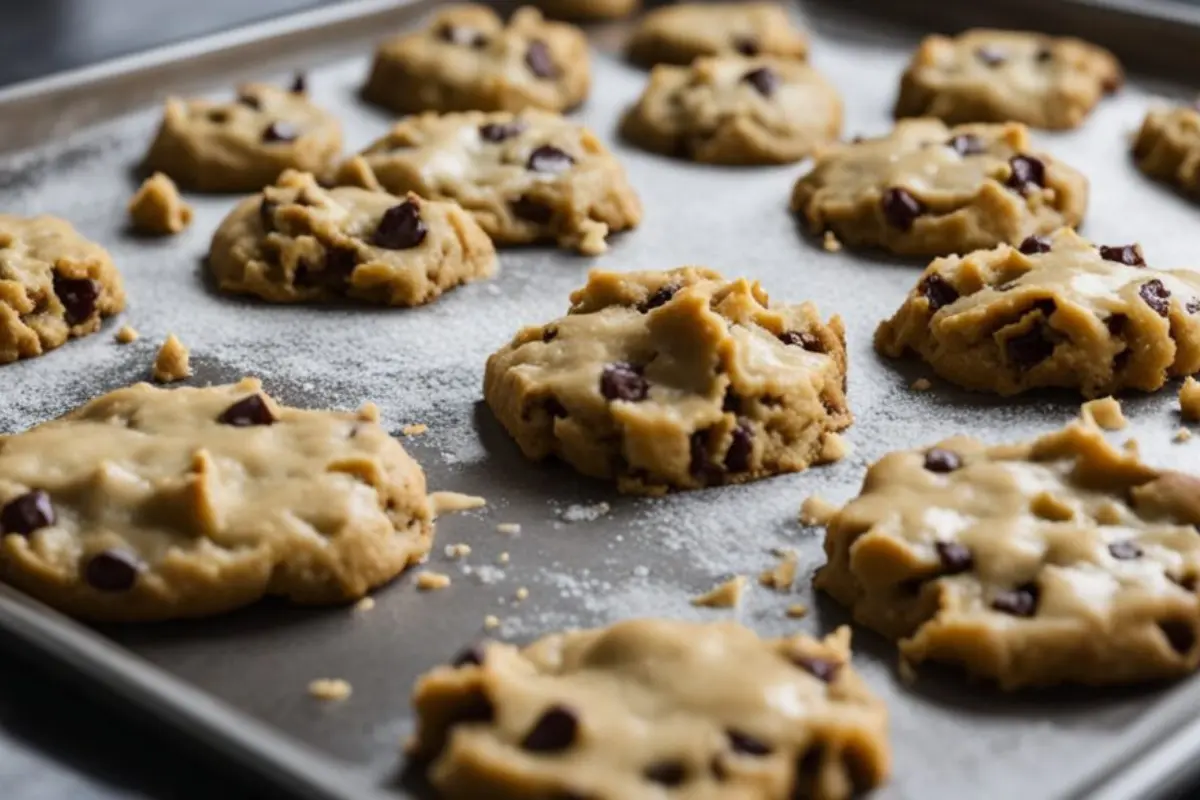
172 362
432 581
1104 413
628 711
1062 560
453 502
157 209
724 595
681 33
816 510
329 689
126 334
1189 399
781 576
1167 147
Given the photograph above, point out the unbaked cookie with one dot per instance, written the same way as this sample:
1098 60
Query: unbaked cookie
149 504
527 177
469 59
1167 147
1064 560
296 242
674 380
1053 311
735 110
925 189
648 708
588 9
54 285
245 144
1002 76
678 34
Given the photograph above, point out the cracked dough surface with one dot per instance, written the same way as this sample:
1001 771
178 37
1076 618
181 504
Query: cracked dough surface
680 33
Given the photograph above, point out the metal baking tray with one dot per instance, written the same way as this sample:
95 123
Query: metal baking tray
588 556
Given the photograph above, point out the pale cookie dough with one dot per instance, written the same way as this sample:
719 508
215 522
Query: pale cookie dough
244 144
1189 399
157 209
588 9
1167 147
172 362
678 34
735 110
527 177
296 242
1064 560
1003 76
648 708
674 380
925 189
469 59
1105 413
54 285
1054 311
150 504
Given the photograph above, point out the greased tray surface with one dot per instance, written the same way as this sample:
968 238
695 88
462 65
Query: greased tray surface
585 563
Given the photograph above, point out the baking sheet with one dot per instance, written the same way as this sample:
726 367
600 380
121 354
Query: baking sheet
586 555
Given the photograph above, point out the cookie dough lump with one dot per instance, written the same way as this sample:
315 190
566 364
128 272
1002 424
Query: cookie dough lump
674 380
1064 560
651 707
157 209
296 242
173 362
54 285
1055 311
679 34
527 177
469 59
150 504
925 189
735 110
1167 147
1001 76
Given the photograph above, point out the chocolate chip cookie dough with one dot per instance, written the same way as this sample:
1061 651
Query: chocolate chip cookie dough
157 209
296 242
735 110
1167 147
926 189
678 34
1055 311
1003 76
674 380
243 145
651 707
151 504
1063 560
469 59
54 285
588 9
527 177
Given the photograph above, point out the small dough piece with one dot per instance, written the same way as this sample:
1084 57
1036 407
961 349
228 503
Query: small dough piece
244 144
54 285
297 243
469 60
432 581
151 504
1189 399
620 713
330 689
157 209
925 189
727 594
781 576
127 335
673 380
1007 76
588 9
679 34
1063 560
1054 312
1167 147
735 110
1105 413
527 177
172 362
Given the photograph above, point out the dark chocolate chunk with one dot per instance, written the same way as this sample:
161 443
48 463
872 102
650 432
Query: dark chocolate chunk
804 339
1020 602
554 407
501 131
469 657
549 159
280 131
1026 171
554 731
78 297
763 79
250 101
823 669
746 45
666 773
1128 254
1043 55
956 557
266 214
746 744
1116 323
1180 635
1030 348
27 513
540 61
476 708
1032 245
299 83
698 464
340 263
623 381
900 208
218 115
1157 296
400 228
549 334
246 412
967 144
731 404
1125 550
741 447
112 570
531 210
1192 306
938 291
661 296
991 56
941 460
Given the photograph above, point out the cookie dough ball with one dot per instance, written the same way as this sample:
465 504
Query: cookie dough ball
679 34
1167 147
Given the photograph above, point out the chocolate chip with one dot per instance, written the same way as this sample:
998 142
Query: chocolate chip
1192 306
661 296
218 115
1125 550
250 101
1030 348
27 513
666 773
966 144
991 56
1128 254
340 263
531 210
400 228
266 214
938 291
764 79
550 159
942 461
804 339
1179 634
540 61
807 766
1116 324
741 447
1034 245
549 334
623 381
731 404
299 83
78 297
1186 582
554 407
698 464
462 36
746 45
900 208
553 733
112 570
1043 55
281 131
475 708
823 669
1020 602
246 412
746 744
1026 171
470 657
1157 296
501 131
955 557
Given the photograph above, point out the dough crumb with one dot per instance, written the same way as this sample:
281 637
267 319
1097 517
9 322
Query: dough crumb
172 362
781 576
458 550
432 581
1104 413
921 385
157 208
834 447
816 510
127 335
510 528
451 502
329 689
1182 435
726 595
491 622
522 594
831 243
1189 399
579 513
365 604
797 610
416 429
1047 506
502 558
